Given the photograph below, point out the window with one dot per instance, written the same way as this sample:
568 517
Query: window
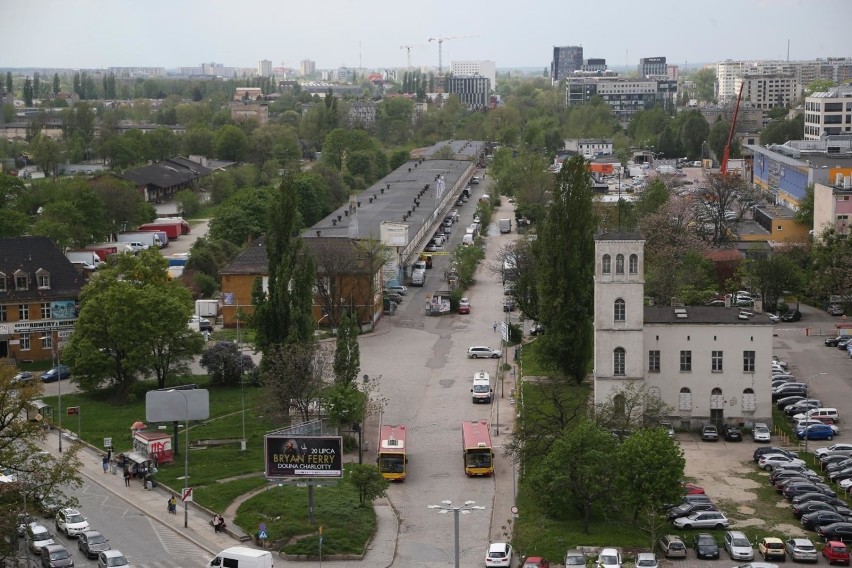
619 310
619 264
748 361
2 282
654 393
25 342
3 315
618 361
46 342
653 361
23 312
716 359
606 262
633 267
43 279
684 401
45 311
749 401
21 281
717 400
686 361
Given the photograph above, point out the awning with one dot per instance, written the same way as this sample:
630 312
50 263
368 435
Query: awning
137 457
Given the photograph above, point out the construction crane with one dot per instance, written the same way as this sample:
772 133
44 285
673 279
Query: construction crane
723 169
441 41
408 49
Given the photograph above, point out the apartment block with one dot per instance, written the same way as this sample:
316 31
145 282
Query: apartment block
769 91
264 68
566 60
487 69
307 67
828 113
728 73
472 90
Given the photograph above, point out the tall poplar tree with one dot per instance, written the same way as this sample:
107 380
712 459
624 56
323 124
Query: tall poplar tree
347 355
564 250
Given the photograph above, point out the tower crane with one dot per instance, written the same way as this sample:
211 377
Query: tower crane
441 41
408 50
727 152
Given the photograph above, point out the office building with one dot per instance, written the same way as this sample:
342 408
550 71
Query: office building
626 96
264 68
594 65
828 113
472 90
653 67
566 60
487 69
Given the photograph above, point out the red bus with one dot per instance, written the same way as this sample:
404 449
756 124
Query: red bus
477 449
393 452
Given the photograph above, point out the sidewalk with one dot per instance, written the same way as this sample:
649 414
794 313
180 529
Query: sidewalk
380 552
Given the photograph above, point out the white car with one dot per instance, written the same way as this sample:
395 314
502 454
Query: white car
845 484
702 520
769 462
481 352
833 448
70 522
608 558
760 432
39 537
111 559
499 554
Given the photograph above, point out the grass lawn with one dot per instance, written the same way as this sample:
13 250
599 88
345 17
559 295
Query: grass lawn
347 526
529 358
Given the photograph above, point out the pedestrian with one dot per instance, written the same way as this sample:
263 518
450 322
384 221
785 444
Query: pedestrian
494 327
105 462
126 477
173 505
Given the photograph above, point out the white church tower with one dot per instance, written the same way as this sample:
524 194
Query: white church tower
619 312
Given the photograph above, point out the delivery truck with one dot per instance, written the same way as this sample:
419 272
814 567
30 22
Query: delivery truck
89 259
242 557
505 226
184 226
152 239
105 250
172 229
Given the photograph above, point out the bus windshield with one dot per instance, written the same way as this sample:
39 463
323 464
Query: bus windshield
391 464
478 458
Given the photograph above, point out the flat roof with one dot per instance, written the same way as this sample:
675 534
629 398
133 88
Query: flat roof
701 315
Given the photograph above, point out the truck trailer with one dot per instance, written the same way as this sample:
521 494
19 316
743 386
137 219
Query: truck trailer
172 229
105 250
89 259
184 226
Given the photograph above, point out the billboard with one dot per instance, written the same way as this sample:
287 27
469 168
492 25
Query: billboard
297 457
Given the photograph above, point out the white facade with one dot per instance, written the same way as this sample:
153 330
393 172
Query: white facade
769 91
589 146
836 69
264 68
704 363
828 113
487 69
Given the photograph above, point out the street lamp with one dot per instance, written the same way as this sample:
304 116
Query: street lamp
242 390
57 358
185 458
807 414
447 506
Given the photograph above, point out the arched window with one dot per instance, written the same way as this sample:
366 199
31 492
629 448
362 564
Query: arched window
633 265
606 263
749 401
619 264
619 405
717 400
685 400
619 310
618 361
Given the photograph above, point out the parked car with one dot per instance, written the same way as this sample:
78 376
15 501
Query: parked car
732 433
70 522
536 329
819 452
738 546
836 552
58 373
818 518
686 509
702 520
817 496
766 450
113 559
800 509
837 310
801 549
772 547
647 560
56 556
816 432
38 536
608 558
672 546
92 543
760 432
709 433
204 324
836 531
464 306
771 461
833 341
398 288
509 305
574 558
692 489
481 352
794 315
536 562
23 378
705 546
783 403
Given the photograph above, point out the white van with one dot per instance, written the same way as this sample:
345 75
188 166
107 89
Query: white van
824 414
467 240
242 557
418 277
481 388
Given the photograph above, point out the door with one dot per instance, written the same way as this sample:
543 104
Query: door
717 407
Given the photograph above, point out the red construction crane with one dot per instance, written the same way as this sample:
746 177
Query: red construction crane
727 153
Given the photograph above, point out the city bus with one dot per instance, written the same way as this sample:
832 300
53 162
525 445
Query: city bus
393 452
477 449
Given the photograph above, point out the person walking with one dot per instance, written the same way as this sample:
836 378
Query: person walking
494 327
105 462
126 477
173 505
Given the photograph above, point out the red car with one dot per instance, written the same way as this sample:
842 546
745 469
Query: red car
836 552
536 562
464 306
692 489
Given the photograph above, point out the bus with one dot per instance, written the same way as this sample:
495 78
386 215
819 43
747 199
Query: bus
477 449
393 452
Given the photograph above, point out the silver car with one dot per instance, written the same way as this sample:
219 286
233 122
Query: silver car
702 520
801 549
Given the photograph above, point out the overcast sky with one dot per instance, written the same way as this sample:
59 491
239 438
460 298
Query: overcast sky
369 33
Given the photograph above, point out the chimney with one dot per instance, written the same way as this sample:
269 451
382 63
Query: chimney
334 222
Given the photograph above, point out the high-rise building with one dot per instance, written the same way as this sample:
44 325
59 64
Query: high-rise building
472 90
828 113
626 96
566 60
264 68
653 67
769 91
729 73
487 69
307 67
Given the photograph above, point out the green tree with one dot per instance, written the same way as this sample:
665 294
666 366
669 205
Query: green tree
830 271
805 213
818 86
705 84
576 475
718 137
771 275
693 133
242 216
781 130
225 364
292 380
47 153
28 92
9 83
231 144
199 141
368 481
133 321
565 292
347 356
56 83
188 202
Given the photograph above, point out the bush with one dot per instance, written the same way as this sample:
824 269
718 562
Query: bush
224 363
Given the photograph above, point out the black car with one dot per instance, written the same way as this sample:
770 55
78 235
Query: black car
818 518
793 315
836 531
686 509
508 305
705 546
790 389
537 329
788 401
771 450
817 496
833 341
732 433
800 509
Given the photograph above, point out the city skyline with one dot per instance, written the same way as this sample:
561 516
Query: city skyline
180 33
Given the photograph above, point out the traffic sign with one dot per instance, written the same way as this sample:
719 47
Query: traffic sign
107 442
72 410
261 534
186 495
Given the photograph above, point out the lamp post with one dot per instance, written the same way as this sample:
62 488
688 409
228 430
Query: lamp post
185 458
447 506
242 390
807 414
56 357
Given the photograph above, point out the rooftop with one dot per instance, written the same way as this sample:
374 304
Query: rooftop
692 315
